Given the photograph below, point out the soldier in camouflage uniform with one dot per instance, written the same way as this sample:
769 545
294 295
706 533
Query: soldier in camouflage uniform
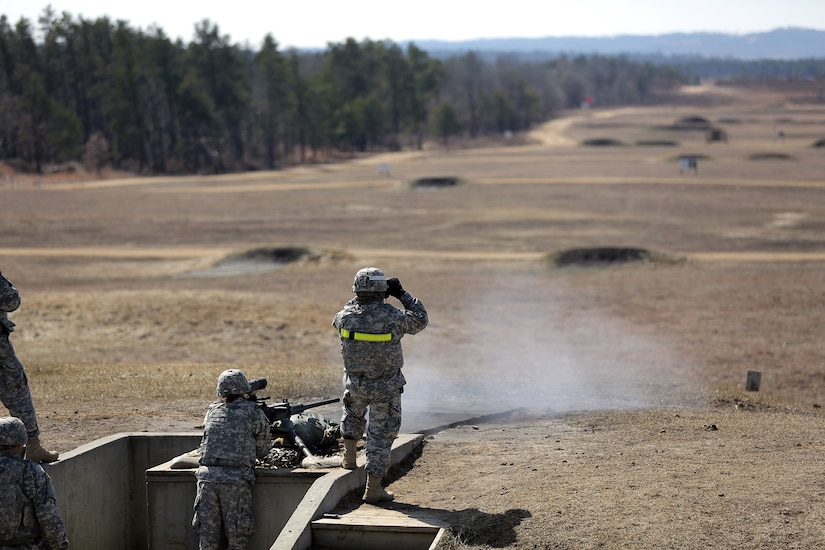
14 385
371 331
29 518
235 433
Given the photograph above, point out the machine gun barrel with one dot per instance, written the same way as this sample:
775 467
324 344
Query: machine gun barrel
298 409
283 410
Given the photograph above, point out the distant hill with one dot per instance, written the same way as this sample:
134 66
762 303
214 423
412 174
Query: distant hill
783 43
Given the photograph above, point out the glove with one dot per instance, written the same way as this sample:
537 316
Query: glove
394 288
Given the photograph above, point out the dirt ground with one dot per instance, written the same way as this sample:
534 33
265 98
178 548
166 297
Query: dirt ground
623 421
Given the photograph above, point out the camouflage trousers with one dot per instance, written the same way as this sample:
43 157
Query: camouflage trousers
382 401
14 388
223 510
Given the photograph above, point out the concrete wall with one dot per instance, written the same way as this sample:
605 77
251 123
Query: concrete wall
327 492
119 493
101 489
171 494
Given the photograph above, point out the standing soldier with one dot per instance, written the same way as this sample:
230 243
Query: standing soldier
235 432
29 518
14 385
371 331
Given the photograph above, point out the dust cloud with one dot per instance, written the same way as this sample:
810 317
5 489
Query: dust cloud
527 343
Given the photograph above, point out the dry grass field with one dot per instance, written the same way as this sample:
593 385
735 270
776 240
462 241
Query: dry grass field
629 424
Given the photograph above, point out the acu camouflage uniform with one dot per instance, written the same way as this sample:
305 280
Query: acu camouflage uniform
14 385
29 517
235 433
372 372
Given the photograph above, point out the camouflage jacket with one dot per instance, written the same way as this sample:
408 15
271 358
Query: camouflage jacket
234 435
381 356
9 301
28 508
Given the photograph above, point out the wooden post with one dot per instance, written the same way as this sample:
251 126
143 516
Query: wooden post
752 383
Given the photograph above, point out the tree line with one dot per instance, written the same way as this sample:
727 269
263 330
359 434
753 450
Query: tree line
103 92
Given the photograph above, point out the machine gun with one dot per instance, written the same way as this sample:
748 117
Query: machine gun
280 414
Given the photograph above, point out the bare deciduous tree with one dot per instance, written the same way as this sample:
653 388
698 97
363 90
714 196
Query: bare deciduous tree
96 153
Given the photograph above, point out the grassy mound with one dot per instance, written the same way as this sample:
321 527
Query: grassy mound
606 256
602 142
770 156
657 143
436 182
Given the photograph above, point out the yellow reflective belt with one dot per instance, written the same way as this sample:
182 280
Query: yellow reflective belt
365 336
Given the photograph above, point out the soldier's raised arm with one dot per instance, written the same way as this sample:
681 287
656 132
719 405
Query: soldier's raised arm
415 318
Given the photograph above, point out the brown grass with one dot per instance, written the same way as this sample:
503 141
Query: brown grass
616 373
717 478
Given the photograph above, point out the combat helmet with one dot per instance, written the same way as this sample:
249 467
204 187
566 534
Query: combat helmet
12 432
370 279
232 382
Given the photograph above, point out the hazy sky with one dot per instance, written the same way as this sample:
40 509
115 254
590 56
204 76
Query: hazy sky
315 23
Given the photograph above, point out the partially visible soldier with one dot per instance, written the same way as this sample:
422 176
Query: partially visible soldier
371 331
235 433
29 517
14 385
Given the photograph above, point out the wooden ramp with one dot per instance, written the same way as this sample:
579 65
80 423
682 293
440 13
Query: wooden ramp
370 527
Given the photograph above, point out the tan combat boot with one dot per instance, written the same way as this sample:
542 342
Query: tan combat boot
36 453
348 459
375 493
